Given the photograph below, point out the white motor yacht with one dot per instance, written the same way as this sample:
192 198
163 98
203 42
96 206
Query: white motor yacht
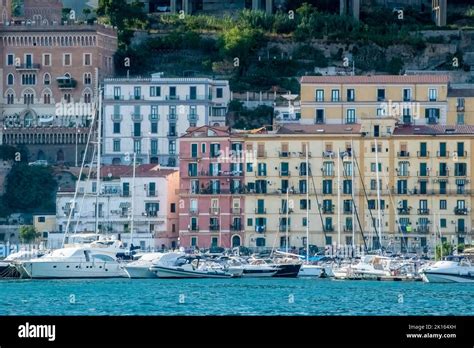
141 267
85 261
7 265
453 269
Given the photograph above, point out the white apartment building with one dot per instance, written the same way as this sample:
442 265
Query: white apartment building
148 115
155 216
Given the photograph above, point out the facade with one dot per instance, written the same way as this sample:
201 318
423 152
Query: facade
211 188
44 224
155 211
43 11
147 116
49 78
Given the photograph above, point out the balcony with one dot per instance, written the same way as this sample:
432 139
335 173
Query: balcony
461 230
237 190
193 229
117 117
423 229
283 228
423 154
28 67
402 173
214 228
136 97
198 97
459 173
303 154
442 173
236 227
260 228
172 134
328 210
193 117
302 172
327 173
137 117
153 117
236 211
193 211
347 228
444 154
214 211
347 211
284 154
329 228
260 173
284 211
65 82
423 174
328 154
403 154
423 211
260 211
172 97
285 173
172 117
404 211
433 120
460 211
261 154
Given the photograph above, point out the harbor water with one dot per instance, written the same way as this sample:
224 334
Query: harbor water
245 296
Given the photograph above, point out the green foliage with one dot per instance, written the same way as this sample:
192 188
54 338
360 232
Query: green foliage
245 118
28 234
10 153
447 249
395 66
30 189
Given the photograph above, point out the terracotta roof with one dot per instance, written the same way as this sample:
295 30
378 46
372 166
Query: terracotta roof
144 170
377 79
434 130
320 129
205 128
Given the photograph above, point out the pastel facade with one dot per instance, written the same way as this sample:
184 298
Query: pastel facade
147 116
154 212
211 189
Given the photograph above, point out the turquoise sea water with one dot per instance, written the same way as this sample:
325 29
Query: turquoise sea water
271 296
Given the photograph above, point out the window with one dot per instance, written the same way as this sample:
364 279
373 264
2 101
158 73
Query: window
87 78
10 98
10 59
442 223
46 98
215 150
203 148
137 146
47 79
249 222
117 93
351 116
87 59
67 59
173 93
47 59
154 127
152 189
373 168
335 95
41 219
402 187
380 94
432 94
350 95
327 187
320 116
406 94
155 91
154 146
173 208
137 129
10 80
432 115
28 79
87 98
219 92
116 145
319 95
443 204
116 127
192 93
305 204
137 93
460 118
460 149
172 147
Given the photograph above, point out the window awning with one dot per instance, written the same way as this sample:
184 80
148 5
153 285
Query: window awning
460 181
443 180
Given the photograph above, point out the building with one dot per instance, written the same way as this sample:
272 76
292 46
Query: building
211 6
148 115
44 224
49 78
5 11
155 211
43 11
211 188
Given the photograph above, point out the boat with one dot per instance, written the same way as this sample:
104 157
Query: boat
87 261
141 268
309 270
191 266
453 269
7 265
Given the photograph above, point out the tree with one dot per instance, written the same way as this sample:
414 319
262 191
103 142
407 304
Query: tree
28 234
86 12
30 188
447 249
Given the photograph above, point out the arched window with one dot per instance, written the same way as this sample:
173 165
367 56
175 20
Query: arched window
235 241
87 78
28 120
10 98
67 97
87 98
10 80
47 79
28 97
46 98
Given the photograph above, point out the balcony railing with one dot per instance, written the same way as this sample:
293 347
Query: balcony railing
136 117
328 154
443 173
69 83
403 172
193 229
285 173
172 97
444 154
328 228
423 154
193 211
328 210
117 117
283 228
423 229
154 117
329 173
403 154
423 173
460 154
172 117
214 211
460 211
423 211
260 211
236 211
260 228
404 211
284 154
261 154
193 117
235 228
214 227
303 154
28 66
461 230
284 210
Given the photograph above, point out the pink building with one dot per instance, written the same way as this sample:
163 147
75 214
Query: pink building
211 188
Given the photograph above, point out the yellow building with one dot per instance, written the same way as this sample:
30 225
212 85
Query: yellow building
44 224
415 134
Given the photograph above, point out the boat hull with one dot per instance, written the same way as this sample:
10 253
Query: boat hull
168 272
8 270
71 270
139 272
310 271
287 271
438 277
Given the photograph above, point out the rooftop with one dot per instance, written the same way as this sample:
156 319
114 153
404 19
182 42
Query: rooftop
434 130
377 79
319 129
126 171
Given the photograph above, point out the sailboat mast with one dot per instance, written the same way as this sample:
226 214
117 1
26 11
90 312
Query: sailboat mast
132 207
352 191
287 215
338 198
307 203
99 141
379 215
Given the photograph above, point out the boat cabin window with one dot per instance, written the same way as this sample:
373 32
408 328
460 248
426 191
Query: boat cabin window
103 257
87 254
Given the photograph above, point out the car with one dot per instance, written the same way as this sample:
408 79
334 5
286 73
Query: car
38 163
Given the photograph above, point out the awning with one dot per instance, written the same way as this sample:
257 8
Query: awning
443 180
460 181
